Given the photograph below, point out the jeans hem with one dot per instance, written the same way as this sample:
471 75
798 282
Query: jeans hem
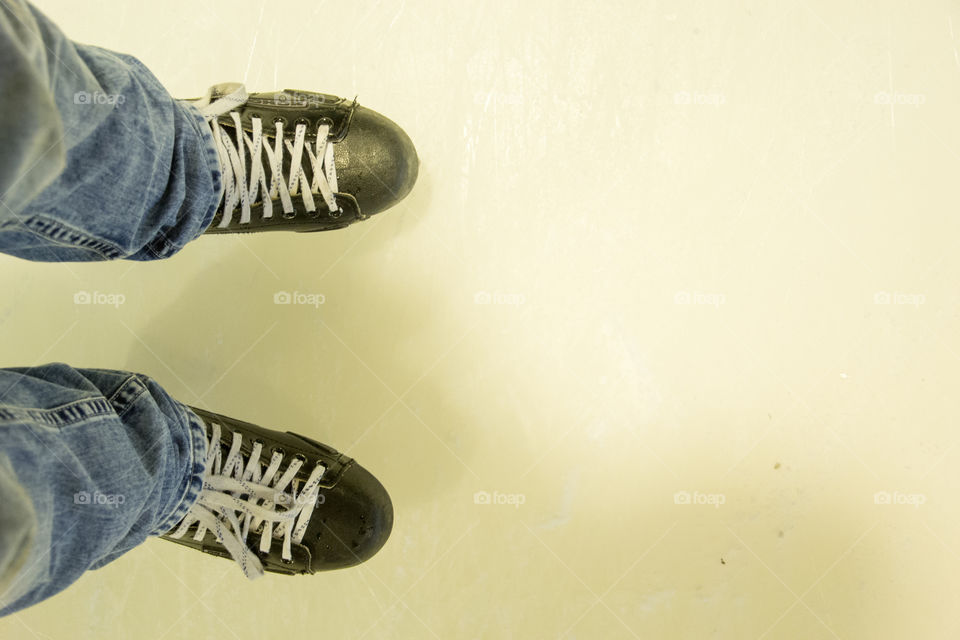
198 454
212 158
162 247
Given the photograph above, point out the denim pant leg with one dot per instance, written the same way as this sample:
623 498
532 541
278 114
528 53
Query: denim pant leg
98 161
92 462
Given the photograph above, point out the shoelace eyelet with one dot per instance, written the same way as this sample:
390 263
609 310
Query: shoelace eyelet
279 450
325 120
281 120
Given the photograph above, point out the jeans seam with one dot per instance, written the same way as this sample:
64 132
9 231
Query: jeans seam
62 415
55 230
121 400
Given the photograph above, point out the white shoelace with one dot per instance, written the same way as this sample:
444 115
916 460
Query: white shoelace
237 497
241 184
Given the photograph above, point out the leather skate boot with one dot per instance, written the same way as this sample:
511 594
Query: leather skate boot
303 161
280 502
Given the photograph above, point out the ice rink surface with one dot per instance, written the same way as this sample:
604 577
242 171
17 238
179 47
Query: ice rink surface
663 344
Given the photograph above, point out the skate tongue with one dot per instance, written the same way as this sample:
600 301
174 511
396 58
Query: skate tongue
222 98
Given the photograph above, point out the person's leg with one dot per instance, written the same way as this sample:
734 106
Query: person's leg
92 462
98 160
145 173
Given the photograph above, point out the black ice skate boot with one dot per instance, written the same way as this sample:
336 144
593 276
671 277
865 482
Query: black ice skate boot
280 502
303 161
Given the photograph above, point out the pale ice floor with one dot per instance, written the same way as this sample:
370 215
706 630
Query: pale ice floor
719 245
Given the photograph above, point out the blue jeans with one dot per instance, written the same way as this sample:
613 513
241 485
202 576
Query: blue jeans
97 162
